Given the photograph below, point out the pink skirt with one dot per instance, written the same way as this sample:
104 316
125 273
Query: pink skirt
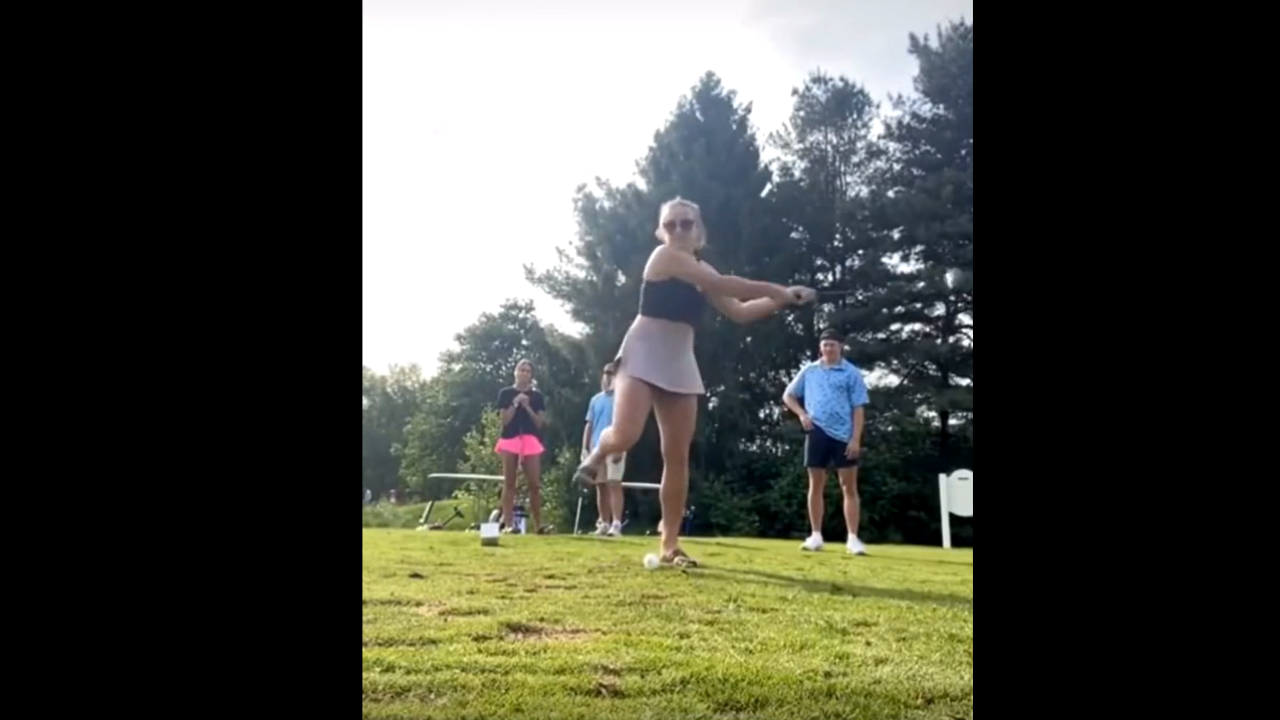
660 352
520 446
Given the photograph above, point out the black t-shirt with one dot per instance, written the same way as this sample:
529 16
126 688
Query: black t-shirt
521 423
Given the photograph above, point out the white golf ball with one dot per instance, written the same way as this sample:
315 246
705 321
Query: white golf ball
651 562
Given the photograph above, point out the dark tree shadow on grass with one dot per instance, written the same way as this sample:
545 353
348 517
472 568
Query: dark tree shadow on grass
833 588
718 543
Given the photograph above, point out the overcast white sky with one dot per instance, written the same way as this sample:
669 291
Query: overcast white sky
481 117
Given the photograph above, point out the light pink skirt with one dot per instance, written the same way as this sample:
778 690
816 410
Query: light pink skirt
520 446
660 352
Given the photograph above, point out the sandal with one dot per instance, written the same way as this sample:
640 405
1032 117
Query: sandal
678 558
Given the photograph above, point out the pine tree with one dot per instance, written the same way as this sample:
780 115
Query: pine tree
706 152
917 323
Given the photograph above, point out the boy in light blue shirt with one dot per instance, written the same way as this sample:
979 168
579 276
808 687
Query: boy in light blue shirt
608 493
834 394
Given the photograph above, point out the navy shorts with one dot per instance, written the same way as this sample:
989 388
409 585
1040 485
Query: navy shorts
821 451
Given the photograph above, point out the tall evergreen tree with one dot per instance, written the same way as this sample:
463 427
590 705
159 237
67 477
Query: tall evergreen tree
918 322
707 152
828 155
885 219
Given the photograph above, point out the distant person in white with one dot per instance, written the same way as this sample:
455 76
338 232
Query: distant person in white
833 395
609 493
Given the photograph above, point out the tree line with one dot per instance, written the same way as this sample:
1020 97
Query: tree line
872 203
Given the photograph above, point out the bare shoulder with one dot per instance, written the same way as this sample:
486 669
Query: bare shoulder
665 263
656 268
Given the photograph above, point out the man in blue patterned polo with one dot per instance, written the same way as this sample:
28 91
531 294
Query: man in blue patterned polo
828 396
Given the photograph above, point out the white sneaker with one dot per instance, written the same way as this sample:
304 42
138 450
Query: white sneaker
856 547
813 543
615 529
602 529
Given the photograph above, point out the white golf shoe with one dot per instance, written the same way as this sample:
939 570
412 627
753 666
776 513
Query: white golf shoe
856 547
813 543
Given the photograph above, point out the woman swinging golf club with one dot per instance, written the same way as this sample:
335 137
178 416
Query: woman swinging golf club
656 367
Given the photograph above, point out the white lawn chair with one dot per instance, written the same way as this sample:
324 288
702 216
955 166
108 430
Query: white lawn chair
956 493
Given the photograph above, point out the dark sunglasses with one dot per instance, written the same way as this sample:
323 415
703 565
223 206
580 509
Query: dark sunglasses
685 224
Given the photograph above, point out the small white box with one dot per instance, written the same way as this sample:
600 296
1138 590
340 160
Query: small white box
489 533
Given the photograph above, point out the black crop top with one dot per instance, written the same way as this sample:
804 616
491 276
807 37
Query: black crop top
671 299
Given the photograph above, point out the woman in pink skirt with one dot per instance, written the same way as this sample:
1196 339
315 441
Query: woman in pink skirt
656 367
523 413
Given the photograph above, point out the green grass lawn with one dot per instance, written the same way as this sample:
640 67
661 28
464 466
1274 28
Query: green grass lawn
575 627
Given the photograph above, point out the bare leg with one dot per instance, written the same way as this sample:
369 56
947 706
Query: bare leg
849 486
677 418
632 400
510 464
602 504
615 492
817 504
533 476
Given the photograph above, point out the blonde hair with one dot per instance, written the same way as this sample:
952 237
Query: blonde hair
533 378
678 201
